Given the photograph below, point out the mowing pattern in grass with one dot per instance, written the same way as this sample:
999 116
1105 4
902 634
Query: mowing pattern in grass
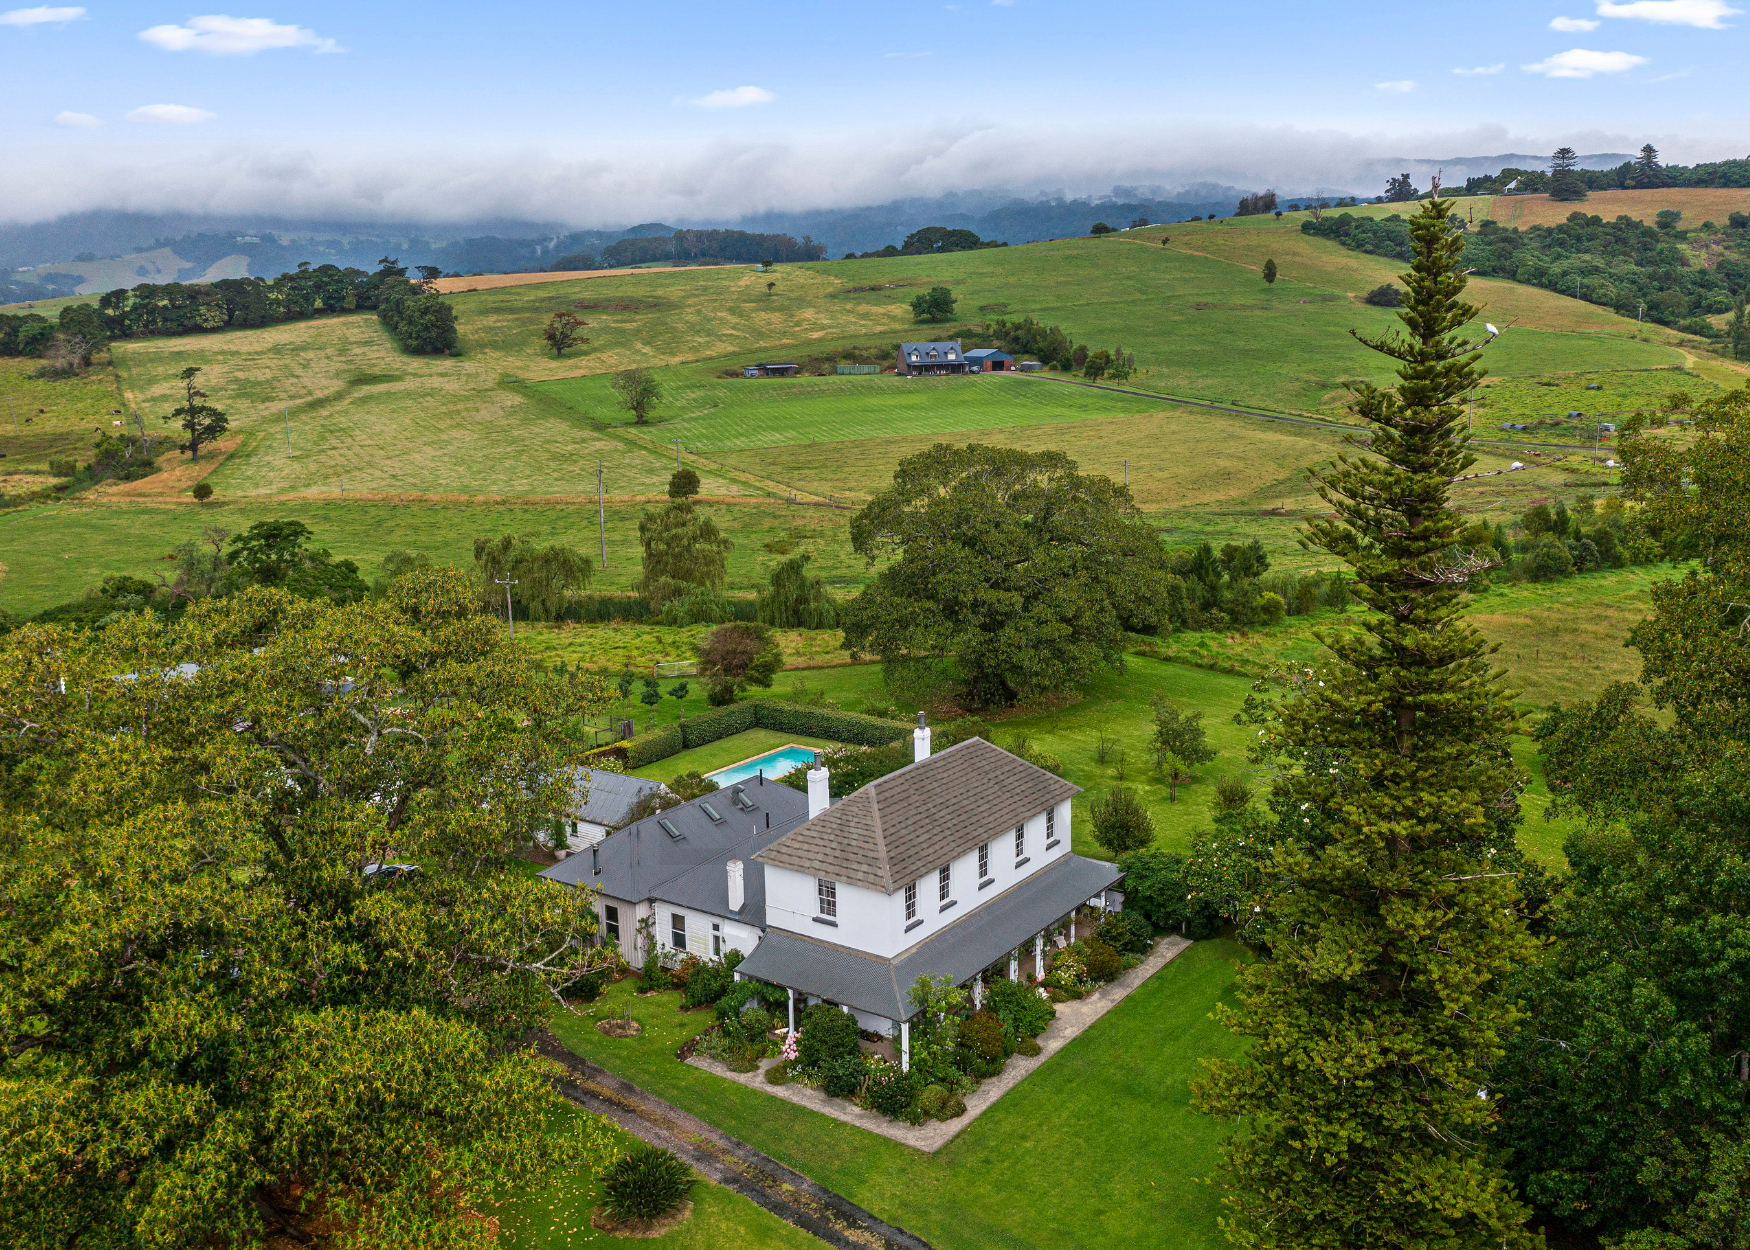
40 418
723 414
1098 1147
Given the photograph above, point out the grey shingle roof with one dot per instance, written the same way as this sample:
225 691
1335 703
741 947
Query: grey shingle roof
907 824
942 349
610 795
642 861
962 950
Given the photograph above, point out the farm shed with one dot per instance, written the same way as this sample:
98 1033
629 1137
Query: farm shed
989 360
770 370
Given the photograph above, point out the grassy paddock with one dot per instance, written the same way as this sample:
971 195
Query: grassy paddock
1098 1147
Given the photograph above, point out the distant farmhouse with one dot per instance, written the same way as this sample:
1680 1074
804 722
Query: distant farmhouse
769 370
919 359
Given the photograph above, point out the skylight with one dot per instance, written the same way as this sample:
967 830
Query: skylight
668 827
738 796
710 811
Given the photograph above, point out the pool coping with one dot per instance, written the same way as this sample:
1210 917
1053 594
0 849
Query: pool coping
768 751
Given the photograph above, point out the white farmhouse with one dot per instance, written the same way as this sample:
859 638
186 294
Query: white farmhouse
953 865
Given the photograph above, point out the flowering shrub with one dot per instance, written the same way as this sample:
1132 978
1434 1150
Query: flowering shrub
888 1090
790 1042
1022 1009
1067 969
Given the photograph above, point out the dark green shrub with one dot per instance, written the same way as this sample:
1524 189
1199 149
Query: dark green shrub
741 993
842 1075
588 989
1104 963
646 1184
1020 1008
827 1033
821 722
891 1092
983 1034
732 959
1155 887
708 983
985 1068
1027 1046
720 723
1387 296
751 1025
933 1100
655 976
1127 933
780 1073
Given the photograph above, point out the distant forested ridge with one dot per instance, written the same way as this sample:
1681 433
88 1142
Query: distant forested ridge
731 246
1619 264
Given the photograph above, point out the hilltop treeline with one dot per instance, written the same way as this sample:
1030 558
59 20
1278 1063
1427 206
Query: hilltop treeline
1620 264
931 241
696 246
1630 175
417 318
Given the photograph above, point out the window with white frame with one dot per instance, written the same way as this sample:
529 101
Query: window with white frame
984 861
611 916
828 892
911 900
1050 823
944 882
716 940
677 930
1020 841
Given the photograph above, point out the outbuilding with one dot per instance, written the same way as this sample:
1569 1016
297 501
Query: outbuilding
989 360
770 370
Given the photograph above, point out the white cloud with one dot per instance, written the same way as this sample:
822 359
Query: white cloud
77 119
1400 86
174 114
735 98
1481 69
1707 14
40 16
1573 25
1582 63
218 34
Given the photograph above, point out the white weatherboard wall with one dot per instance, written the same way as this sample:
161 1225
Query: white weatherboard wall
871 921
736 934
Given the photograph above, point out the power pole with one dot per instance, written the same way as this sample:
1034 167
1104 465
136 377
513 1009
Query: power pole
1127 475
508 615
1639 309
601 513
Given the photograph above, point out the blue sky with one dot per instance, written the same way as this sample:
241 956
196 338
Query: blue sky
447 108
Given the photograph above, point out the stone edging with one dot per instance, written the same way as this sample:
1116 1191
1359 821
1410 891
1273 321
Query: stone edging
931 1136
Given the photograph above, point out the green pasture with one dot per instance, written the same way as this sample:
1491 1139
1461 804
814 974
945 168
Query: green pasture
713 415
1099 1146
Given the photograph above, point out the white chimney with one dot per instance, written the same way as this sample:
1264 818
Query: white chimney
737 891
920 741
819 794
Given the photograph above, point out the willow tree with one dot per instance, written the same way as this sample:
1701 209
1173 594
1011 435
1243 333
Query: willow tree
1376 1019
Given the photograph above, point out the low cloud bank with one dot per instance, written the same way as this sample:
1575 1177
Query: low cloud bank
726 179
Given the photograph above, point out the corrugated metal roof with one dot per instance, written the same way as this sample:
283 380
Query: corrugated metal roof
907 824
962 950
610 795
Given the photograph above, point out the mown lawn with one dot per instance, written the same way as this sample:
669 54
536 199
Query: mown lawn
1097 1148
555 1215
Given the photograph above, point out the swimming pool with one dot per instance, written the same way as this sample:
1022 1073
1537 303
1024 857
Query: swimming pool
775 763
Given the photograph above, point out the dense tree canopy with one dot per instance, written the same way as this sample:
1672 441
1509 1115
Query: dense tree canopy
546 578
1629 1095
1375 1025
683 551
1023 568
222 1016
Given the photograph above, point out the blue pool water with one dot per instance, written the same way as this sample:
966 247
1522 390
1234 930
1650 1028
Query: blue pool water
775 763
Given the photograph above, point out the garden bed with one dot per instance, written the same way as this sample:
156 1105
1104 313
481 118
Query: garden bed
932 1135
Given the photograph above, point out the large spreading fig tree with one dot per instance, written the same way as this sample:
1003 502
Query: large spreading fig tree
223 1018
1025 570
1365 1100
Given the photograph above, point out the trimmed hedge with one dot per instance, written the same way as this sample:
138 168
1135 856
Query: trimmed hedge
658 744
820 722
719 723
813 722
